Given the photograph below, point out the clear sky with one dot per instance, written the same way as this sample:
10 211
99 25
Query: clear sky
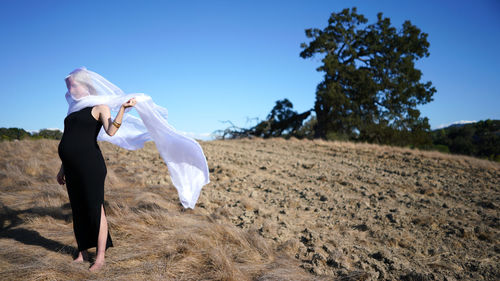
211 61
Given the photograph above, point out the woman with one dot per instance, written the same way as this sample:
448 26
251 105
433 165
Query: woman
91 98
83 170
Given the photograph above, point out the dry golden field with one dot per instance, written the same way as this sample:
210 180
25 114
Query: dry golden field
275 209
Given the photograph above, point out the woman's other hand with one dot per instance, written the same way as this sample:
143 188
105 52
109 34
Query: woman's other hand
61 178
131 102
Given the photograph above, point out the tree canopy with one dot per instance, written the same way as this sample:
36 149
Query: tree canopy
371 87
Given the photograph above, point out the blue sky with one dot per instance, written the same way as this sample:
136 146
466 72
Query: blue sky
211 61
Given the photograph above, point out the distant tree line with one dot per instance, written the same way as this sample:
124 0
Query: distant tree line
369 92
19 134
480 139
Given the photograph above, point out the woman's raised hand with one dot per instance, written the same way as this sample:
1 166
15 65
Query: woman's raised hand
131 102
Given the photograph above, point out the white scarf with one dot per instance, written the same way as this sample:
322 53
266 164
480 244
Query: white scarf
184 157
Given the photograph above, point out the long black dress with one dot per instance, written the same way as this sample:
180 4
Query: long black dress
85 172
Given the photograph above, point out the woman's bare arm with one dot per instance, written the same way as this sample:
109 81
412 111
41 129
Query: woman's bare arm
107 122
105 116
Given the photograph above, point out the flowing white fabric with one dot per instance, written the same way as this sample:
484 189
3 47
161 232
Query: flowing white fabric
184 157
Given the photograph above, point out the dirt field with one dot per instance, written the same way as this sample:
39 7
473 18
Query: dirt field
274 210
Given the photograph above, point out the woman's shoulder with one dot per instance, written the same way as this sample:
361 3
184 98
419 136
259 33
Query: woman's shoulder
100 110
102 107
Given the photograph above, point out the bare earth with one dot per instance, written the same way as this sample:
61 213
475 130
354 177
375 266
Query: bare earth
275 210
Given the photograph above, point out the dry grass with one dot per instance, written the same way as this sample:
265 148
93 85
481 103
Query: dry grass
274 210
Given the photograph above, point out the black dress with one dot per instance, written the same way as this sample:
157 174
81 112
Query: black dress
85 172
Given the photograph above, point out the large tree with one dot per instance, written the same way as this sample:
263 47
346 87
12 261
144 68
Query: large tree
371 87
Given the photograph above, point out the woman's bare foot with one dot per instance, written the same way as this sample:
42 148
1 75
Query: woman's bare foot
82 256
98 264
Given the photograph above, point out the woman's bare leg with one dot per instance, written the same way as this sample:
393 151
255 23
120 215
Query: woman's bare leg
101 243
82 256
